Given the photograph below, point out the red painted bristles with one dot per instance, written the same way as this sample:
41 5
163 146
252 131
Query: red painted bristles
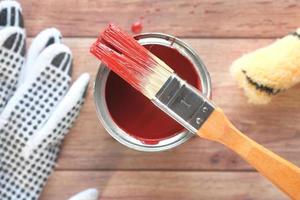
130 60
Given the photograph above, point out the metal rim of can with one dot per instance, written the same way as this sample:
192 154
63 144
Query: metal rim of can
101 107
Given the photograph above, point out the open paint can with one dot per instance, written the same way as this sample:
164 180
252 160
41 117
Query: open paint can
131 118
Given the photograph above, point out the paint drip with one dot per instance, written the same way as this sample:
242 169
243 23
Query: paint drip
137 27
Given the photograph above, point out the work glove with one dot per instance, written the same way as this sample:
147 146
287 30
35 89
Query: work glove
37 105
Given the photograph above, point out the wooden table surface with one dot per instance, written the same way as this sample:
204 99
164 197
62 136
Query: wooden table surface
220 31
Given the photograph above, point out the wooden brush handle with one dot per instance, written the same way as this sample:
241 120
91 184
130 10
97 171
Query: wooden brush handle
285 175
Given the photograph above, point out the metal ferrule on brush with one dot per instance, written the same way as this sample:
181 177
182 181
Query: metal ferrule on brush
184 103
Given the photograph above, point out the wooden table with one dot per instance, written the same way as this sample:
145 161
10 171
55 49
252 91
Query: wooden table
220 31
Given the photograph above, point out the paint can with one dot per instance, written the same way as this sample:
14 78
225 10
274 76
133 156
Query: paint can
129 117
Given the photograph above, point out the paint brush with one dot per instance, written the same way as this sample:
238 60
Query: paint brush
181 101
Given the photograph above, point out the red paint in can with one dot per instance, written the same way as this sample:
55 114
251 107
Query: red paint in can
136 114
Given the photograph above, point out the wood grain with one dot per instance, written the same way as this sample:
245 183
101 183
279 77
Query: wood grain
279 171
276 126
193 18
161 185
89 147
198 169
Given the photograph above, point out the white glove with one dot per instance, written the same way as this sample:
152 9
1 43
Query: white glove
36 105
90 194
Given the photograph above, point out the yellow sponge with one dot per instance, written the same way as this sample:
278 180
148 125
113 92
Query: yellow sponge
269 70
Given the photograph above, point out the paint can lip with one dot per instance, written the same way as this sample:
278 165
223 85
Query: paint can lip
185 50
104 115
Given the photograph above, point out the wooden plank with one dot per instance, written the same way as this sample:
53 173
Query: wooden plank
194 18
276 126
145 185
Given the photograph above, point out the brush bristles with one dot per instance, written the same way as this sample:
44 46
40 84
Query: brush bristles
130 60
156 79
